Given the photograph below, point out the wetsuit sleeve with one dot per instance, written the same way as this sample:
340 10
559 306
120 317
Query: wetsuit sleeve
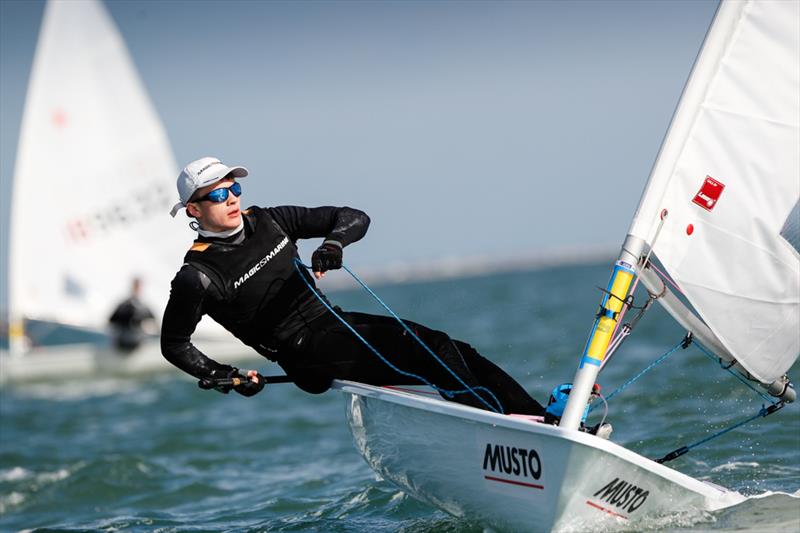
344 225
184 310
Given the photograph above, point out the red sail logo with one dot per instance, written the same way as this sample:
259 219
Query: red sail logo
709 193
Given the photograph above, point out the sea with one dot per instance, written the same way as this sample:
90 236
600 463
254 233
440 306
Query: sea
156 453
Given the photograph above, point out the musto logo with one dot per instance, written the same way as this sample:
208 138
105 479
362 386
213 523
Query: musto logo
521 464
623 495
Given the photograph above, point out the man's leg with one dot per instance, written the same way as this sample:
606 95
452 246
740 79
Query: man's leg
512 395
334 352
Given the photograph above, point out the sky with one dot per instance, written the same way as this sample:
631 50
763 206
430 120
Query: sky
466 130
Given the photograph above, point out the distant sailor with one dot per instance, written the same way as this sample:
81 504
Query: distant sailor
131 321
241 272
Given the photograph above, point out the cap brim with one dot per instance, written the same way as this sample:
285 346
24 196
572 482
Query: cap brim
237 172
226 172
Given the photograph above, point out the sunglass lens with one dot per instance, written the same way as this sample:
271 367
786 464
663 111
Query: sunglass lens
218 195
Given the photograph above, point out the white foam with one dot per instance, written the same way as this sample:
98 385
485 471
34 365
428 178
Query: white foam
15 474
735 465
49 477
767 494
728 499
80 389
19 473
10 500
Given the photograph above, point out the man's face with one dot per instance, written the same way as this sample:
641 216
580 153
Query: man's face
216 216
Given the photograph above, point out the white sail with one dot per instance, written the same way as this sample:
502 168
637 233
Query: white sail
94 178
728 175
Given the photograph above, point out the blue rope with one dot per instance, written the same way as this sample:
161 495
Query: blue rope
763 412
448 393
708 354
640 374
736 374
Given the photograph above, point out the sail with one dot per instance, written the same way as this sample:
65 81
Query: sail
728 175
94 178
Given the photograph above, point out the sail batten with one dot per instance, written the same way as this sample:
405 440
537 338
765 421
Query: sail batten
728 176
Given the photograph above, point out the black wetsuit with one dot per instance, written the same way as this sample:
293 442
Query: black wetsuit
249 284
126 321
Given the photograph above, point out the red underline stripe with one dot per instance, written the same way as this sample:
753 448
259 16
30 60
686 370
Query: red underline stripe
512 482
606 510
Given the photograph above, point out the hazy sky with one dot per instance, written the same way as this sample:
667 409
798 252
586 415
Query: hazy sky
464 129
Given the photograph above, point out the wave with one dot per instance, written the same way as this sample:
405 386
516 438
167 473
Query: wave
768 511
734 465
77 390
17 484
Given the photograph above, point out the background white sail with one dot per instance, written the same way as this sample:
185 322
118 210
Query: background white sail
729 175
94 178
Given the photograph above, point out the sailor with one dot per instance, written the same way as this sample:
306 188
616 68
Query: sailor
131 320
241 271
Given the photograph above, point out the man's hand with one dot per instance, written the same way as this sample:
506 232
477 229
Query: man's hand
223 380
326 257
254 384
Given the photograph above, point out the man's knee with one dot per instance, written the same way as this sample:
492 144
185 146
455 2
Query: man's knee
313 383
435 339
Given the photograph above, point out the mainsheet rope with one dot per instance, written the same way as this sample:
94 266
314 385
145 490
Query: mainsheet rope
647 369
448 393
736 374
765 411
685 344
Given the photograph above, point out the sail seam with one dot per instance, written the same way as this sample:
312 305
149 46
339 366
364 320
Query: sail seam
685 284
727 111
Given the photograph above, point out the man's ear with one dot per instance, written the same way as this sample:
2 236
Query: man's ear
192 210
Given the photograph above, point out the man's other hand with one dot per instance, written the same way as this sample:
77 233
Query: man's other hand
326 257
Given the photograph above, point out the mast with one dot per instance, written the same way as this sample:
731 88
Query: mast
604 325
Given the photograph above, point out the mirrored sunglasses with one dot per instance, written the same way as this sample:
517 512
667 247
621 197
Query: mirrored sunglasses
221 194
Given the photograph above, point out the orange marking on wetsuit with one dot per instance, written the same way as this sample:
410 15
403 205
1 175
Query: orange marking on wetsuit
200 246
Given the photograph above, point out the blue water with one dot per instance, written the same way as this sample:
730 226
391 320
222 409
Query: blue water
155 453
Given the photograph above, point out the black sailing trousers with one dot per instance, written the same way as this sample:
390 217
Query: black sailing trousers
325 350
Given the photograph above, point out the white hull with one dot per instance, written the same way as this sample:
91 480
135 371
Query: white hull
74 361
513 473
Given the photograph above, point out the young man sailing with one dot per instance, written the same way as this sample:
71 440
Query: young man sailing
242 272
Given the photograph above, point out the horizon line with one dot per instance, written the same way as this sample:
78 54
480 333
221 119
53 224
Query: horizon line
457 267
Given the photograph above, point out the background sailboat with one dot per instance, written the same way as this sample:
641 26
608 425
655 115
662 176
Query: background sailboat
94 181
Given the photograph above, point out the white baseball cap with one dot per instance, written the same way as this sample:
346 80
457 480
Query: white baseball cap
200 173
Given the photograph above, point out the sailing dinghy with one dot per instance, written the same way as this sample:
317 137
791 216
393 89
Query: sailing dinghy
93 184
720 214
